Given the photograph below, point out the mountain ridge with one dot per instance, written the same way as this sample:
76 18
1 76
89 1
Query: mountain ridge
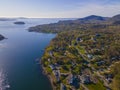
89 22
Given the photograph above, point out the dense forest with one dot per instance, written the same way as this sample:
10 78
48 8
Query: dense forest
84 55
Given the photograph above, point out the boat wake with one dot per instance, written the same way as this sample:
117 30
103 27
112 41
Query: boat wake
3 81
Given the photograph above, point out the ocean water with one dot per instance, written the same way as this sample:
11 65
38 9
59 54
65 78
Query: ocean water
20 54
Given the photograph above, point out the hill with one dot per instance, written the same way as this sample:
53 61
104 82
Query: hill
83 60
84 55
90 22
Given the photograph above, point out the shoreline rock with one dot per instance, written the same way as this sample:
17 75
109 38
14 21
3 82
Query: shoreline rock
1 37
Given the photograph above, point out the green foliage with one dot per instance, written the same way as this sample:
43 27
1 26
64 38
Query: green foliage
116 79
101 41
97 86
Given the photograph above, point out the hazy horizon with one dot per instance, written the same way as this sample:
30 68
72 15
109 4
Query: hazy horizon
53 17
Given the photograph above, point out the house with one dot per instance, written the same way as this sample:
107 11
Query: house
73 64
55 66
57 75
85 62
109 77
86 79
114 58
79 39
48 59
97 35
52 66
63 87
99 63
93 39
73 80
90 56
51 53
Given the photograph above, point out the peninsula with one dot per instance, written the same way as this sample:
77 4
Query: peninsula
84 55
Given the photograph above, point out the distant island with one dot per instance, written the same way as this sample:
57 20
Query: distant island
84 55
1 37
7 19
19 23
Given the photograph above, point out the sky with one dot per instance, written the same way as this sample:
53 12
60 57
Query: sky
58 8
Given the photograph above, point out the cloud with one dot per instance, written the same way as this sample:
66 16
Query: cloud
90 9
59 8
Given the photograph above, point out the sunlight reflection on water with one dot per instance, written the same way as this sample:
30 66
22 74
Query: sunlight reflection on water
3 81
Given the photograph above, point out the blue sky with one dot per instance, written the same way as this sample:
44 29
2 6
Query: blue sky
58 8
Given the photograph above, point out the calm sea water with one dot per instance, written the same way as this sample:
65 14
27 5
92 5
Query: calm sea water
19 56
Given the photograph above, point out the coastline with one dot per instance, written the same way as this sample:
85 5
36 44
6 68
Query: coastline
48 76
77 57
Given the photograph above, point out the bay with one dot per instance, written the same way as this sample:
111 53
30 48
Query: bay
20 55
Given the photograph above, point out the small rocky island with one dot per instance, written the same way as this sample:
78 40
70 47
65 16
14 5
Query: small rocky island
19 22
1 37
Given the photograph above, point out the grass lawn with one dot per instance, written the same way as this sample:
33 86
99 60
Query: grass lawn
63 70
98 86
81 49
49 70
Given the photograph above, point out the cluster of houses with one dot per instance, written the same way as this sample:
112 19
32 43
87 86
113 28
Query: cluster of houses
108 78
63 87
94 38
74 81
56 71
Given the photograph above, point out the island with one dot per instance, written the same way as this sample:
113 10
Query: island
19 23
1 37
84 55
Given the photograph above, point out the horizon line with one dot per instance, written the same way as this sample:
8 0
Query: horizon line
25 17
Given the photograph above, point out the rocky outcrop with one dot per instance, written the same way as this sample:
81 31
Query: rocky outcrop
1 37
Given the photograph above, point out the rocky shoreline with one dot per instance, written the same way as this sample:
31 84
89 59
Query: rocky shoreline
47 75
1 37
